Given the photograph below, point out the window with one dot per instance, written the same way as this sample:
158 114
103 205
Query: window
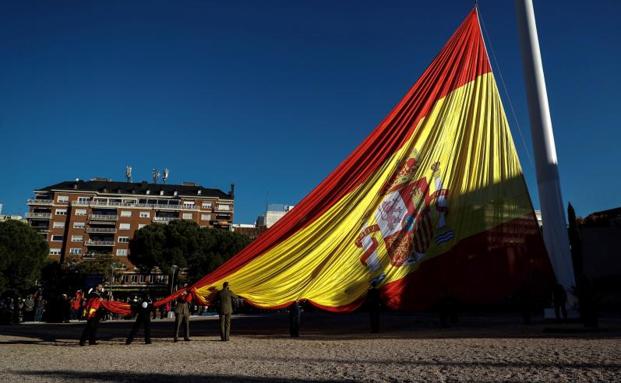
224 207
141 225
187 215
62 198
58 225
123 239
206 205
57 238
205 217
61 212
54 251
126 213
121 252
145 214
80 211
84 199
79 225
75 251
124 226
188 204
77 238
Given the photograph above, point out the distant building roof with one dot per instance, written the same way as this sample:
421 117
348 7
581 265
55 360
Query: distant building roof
279 207
107 186
610 217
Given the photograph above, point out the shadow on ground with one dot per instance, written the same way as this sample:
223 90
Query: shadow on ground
66 375
319 326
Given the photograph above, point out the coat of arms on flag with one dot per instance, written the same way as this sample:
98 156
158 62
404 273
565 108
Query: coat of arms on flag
405 218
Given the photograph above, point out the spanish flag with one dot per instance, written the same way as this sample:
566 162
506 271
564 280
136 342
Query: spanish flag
432 205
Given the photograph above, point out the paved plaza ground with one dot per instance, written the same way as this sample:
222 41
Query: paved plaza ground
334 348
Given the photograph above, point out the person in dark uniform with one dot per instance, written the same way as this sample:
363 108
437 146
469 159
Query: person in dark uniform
225 309
182 316
559 298
374 304
295 317
93 313
143 309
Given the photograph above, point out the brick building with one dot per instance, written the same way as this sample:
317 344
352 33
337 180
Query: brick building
89 218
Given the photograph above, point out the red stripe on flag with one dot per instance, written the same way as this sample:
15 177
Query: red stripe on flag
462 60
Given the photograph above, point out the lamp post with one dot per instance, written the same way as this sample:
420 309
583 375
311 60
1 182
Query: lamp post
173 271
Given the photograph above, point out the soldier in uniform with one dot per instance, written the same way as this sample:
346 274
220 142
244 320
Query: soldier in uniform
93 313
182 316
143 308
225 309
295 316
374 303
559 298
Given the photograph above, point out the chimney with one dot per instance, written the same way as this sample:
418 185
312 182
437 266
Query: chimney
232 191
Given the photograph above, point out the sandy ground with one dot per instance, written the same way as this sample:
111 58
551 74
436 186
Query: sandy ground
332 348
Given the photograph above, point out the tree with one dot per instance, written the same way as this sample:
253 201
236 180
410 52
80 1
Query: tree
217 247
23 253
146 249
185 244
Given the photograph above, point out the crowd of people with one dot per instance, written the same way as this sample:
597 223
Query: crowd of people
95 306
15 309
91 307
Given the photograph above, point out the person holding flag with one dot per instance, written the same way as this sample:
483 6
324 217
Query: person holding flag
93 313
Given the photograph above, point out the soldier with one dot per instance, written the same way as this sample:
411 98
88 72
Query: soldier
93 313
374 303
144 317
182 316
559 298
295 316
225 309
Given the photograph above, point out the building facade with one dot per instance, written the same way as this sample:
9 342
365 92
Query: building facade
85 219
273 213
251 231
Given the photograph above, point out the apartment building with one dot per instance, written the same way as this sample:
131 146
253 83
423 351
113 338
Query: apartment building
89 218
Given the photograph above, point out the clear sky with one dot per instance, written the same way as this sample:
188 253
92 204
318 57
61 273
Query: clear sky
272 95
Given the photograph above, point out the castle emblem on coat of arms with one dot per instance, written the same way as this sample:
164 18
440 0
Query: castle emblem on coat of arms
405 218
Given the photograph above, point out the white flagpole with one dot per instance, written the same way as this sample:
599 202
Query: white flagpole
546 164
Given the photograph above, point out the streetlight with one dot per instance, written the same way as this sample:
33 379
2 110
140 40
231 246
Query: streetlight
173 270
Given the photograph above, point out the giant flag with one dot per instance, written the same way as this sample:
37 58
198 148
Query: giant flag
431 205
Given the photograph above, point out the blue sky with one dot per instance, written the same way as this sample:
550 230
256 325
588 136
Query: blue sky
272 95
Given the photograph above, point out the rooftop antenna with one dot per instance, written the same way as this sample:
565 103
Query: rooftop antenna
128 173
165 175
155 174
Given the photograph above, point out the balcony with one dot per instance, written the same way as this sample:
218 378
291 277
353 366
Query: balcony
133 204
39 215
42 202
108 204
133 279
90 242
164 219
103 217
101 230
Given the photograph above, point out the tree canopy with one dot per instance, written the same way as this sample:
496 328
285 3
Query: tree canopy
185 244
23 253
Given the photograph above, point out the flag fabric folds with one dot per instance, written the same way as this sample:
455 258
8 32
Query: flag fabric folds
431 205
